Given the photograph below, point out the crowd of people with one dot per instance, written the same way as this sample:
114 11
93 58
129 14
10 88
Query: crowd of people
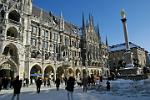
85 82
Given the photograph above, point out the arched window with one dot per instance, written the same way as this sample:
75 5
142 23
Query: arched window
14 15
12 32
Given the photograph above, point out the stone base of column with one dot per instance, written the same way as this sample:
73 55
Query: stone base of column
128 59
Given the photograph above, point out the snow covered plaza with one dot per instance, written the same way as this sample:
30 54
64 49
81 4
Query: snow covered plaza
120 90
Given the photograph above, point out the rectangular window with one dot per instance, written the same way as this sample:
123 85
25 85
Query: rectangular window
34 29
46 45
46 34
50 36
43 45
61 38
33 41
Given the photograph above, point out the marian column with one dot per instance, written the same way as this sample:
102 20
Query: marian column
128 54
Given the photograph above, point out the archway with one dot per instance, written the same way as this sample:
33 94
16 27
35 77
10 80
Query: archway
98 73
95 72
8 69
78 73
14 16
92 72
11 52
12 32
49 72
35 72
85 72
70 72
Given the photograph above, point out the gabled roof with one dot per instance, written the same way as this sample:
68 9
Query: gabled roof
69 27
122 46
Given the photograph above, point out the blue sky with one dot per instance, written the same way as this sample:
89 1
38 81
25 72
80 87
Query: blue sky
106 13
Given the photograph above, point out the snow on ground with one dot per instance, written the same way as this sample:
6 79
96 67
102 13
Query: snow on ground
93 94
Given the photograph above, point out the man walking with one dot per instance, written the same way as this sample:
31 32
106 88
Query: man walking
38 84
17 87
70 87
57 82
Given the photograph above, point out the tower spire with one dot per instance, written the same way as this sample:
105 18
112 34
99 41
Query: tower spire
106 41
90 20
83 25
98 33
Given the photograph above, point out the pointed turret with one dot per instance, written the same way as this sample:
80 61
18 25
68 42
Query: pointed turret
61 22
83 25
106 41
92 20
98 33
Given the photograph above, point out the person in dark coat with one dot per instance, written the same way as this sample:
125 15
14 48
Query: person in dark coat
49 82
17 87
38 84
57 82
85 83
108 85
70 87
0 83
27 82
65 79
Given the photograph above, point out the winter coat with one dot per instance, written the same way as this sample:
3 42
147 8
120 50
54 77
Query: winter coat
17 86
38 82
85 81
70 84
57 82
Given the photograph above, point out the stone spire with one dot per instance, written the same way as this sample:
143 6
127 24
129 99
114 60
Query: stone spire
98 33
106 41
61 22
83 25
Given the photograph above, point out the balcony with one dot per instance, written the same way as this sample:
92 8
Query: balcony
12 38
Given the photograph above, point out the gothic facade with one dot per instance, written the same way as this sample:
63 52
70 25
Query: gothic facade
34 42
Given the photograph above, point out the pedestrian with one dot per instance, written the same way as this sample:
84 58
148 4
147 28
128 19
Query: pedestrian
17 87
65 79
57 82
0 83
108 85
45 79
85 83
27 82
101 78
70 87
38 84
24 83
49 82
92 79
89 80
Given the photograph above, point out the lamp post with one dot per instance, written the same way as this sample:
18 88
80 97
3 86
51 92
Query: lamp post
128 54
